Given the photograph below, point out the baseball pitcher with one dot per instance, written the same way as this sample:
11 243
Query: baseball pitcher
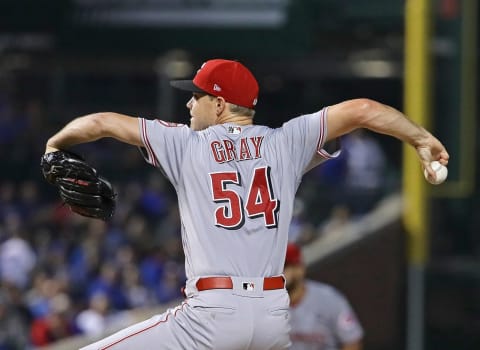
236 184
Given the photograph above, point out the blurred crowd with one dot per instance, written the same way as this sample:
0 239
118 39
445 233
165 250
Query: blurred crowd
62 274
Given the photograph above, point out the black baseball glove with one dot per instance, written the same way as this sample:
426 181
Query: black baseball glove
81 188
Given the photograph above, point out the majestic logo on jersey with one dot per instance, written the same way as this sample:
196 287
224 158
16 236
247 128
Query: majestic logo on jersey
225 150
235 130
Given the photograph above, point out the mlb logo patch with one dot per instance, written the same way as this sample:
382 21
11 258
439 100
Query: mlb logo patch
234 130
248 286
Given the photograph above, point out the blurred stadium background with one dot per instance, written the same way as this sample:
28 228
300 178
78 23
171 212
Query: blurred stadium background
66 279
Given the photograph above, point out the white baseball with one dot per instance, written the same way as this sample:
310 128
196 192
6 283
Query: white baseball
441 173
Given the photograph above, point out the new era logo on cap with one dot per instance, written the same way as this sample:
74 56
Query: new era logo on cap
228 79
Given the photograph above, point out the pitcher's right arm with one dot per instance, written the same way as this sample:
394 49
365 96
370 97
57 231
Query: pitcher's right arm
349 115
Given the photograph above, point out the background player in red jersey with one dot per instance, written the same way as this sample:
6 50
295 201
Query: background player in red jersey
320 316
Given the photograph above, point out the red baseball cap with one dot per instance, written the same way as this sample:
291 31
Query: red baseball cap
294 255
225 78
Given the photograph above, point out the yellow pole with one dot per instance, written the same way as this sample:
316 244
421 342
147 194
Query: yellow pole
417 87
417 99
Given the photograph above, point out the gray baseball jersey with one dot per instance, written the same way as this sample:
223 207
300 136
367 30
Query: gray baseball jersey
235 186
323 320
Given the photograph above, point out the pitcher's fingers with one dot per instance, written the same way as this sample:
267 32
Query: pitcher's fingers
444 157
428 168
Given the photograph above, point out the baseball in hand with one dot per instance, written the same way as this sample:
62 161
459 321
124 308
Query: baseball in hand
441 172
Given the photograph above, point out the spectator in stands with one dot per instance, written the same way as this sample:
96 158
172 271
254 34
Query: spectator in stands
55 325
136 293
93 321
17 258
44 289
320 317
108 282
